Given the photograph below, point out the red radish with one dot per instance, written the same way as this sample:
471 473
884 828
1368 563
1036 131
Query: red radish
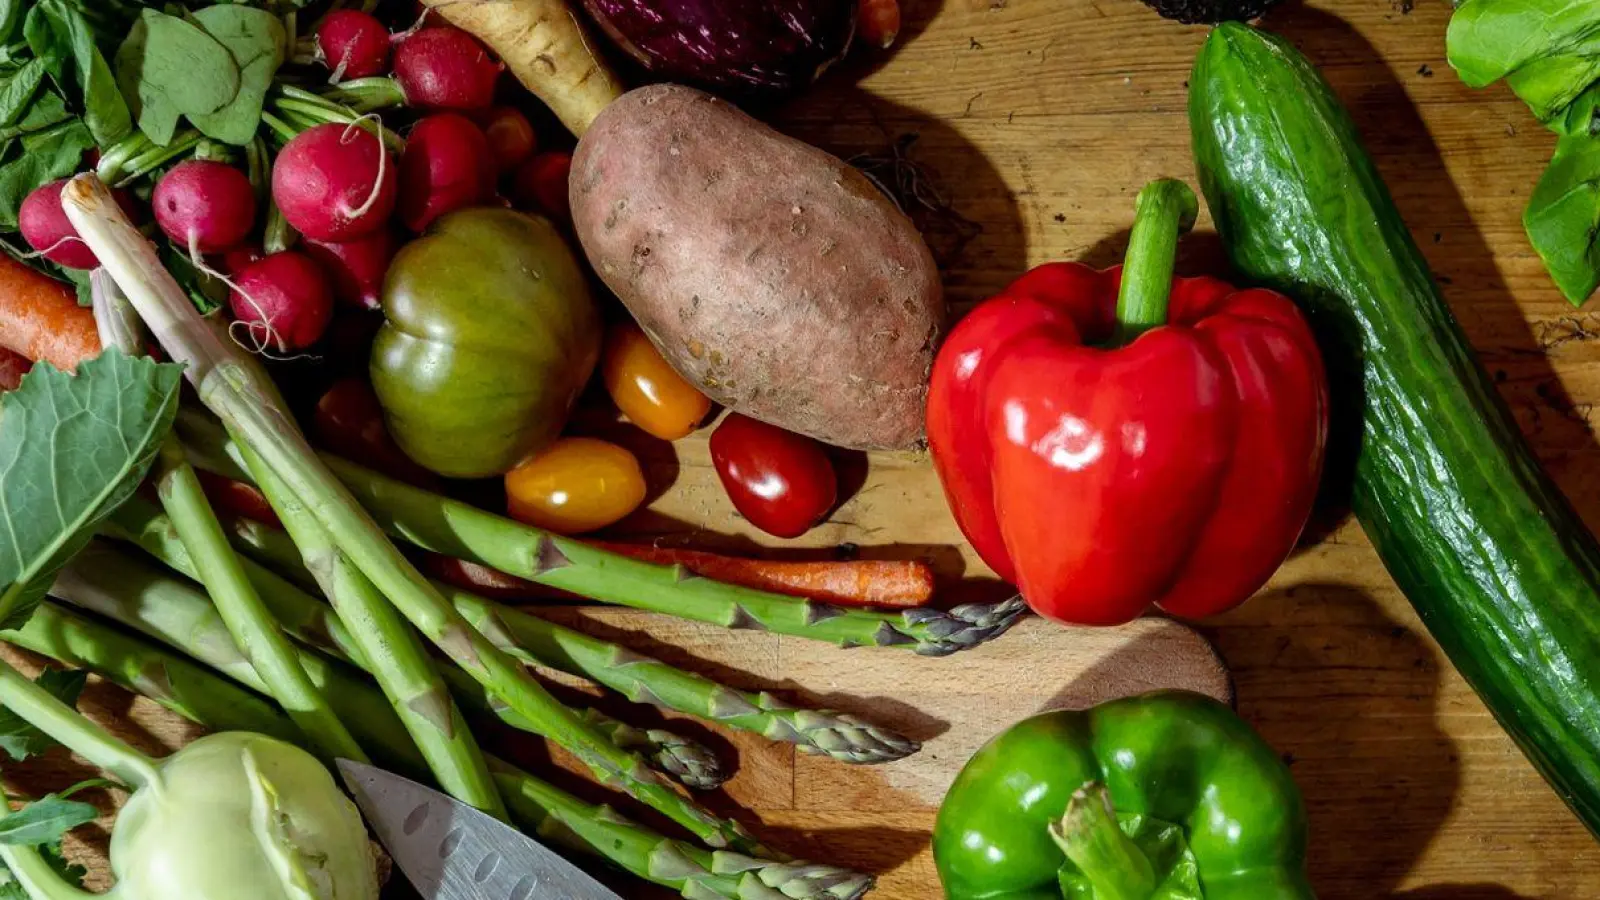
44 226
335 183
447 166
541 186
354 44
205 206
511 138
445 68
236 259
283 301
357 267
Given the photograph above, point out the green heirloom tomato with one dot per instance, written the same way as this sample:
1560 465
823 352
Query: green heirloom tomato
490 335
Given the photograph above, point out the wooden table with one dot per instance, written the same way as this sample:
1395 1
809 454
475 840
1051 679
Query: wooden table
1039 120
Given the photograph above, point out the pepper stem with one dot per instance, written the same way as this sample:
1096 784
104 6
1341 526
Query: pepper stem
1090 836
1165 211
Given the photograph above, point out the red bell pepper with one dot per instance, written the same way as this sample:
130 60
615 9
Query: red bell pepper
1112 440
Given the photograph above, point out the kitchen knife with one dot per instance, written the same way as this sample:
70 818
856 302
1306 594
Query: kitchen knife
451 851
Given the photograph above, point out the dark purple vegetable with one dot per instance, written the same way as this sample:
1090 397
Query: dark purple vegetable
739 48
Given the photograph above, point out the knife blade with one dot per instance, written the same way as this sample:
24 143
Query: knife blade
450 851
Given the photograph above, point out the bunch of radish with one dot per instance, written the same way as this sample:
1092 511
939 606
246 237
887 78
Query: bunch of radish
348 197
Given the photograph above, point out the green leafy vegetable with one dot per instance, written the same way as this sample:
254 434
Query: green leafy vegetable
1490 39
171 67
42 156
44 821
21 86
256 39
1563 216
21 741
62 38
1548 51
72 449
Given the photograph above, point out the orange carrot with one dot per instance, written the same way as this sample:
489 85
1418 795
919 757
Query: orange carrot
40 318
880 22
482 580
901 585
12 367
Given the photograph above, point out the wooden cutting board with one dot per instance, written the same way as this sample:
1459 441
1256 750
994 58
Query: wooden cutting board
875 818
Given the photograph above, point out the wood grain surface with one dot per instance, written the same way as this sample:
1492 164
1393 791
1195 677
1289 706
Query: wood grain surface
1038 121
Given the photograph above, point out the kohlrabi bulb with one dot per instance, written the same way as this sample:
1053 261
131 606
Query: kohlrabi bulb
242 817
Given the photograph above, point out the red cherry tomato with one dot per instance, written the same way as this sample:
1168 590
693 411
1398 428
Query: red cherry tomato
783 483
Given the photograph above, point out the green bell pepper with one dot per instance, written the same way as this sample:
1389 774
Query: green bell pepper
1165 796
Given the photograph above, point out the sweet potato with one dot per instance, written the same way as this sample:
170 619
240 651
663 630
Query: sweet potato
772 275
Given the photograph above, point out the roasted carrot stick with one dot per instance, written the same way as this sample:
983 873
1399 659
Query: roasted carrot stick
40 318
12 367
901 585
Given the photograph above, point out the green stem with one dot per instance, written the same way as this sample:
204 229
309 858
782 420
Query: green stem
279 235
393 652
258 160
537 642
154 157
280 129
1165 211
315 623
218 567
39 708
367 95
248 619
1090 836
539 808
465 532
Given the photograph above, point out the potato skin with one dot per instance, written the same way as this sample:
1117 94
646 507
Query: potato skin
772 275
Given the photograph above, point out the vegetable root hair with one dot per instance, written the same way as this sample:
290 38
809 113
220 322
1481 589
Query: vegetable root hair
258 342
64 241
383 162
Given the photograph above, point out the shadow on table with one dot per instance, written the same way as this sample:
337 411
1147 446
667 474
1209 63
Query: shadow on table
1465 266
1460 892
1349 696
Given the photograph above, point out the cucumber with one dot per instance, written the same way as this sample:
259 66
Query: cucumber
1496 561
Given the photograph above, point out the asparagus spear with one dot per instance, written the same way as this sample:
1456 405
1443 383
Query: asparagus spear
196 525
639 678
233 386
196 693
107 575
457 529
395 655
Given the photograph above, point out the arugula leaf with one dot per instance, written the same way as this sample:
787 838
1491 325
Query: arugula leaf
1563 217
21 740
21 86
60 36
44 821
170 67
55 152
72 449
256 40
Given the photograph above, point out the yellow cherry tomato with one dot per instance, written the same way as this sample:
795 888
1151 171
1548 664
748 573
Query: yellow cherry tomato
576 486
648 391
